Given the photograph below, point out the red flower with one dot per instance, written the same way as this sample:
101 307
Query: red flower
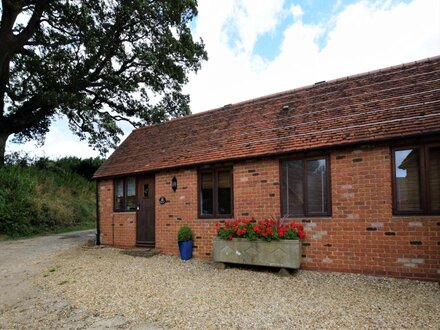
241 231
268 229
297 226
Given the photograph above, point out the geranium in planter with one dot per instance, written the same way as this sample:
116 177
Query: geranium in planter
267 243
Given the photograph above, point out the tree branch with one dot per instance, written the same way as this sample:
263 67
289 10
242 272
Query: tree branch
29 114
119 118
9 15
15 97
33 24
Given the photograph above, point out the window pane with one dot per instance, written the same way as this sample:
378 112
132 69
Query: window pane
224 192
119 194
317 190
434 178
292 201
206 197
130 201
407 169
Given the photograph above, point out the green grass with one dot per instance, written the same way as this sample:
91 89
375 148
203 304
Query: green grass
83 226
40 201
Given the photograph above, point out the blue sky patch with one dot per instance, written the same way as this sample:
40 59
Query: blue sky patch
268 45
315 12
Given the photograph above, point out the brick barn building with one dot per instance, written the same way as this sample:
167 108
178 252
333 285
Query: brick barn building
356 160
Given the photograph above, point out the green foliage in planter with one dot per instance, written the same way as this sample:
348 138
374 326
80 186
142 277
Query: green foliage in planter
184 234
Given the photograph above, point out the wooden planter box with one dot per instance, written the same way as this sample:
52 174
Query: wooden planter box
283 253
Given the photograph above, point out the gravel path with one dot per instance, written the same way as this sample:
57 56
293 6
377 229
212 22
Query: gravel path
23 305
165 292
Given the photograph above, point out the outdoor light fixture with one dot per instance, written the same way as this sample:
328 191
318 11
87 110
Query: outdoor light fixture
174 184
285 108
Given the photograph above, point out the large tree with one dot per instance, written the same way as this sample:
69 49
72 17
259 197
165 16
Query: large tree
94 62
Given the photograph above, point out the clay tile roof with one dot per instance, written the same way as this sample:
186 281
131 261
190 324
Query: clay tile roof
391 103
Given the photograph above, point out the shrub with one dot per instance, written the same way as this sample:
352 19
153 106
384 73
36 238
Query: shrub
184 234
42 198
17 190
83 167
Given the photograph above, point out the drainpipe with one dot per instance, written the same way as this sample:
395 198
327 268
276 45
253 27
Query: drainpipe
98 232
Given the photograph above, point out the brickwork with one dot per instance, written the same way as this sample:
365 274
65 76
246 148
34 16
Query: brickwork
181 209
117 228
361 236
257 189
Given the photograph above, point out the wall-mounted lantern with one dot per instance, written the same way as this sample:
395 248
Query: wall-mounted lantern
174 184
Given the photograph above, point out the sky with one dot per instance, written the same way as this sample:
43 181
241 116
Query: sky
260 47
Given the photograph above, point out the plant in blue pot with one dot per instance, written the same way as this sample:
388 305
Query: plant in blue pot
184 237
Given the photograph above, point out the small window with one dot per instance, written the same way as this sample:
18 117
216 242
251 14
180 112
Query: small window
407 180
305 187
125 194
416 180
215 193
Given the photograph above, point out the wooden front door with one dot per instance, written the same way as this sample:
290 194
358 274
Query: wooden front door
145 224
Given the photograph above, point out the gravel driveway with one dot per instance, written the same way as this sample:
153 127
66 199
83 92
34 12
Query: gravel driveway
165 292
57 282
23 305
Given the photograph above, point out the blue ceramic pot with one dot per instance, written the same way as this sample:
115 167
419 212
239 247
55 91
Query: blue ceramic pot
185 249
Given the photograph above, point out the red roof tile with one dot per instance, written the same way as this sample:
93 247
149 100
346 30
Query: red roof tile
391 103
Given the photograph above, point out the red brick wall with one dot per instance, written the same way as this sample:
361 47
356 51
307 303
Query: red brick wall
180 210
257 189
361 236
256 192
117 228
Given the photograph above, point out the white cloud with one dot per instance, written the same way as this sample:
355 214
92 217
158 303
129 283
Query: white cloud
252 20
59 143
296 11
370 36
236 22
364 36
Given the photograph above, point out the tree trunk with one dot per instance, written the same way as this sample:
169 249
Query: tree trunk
3 139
